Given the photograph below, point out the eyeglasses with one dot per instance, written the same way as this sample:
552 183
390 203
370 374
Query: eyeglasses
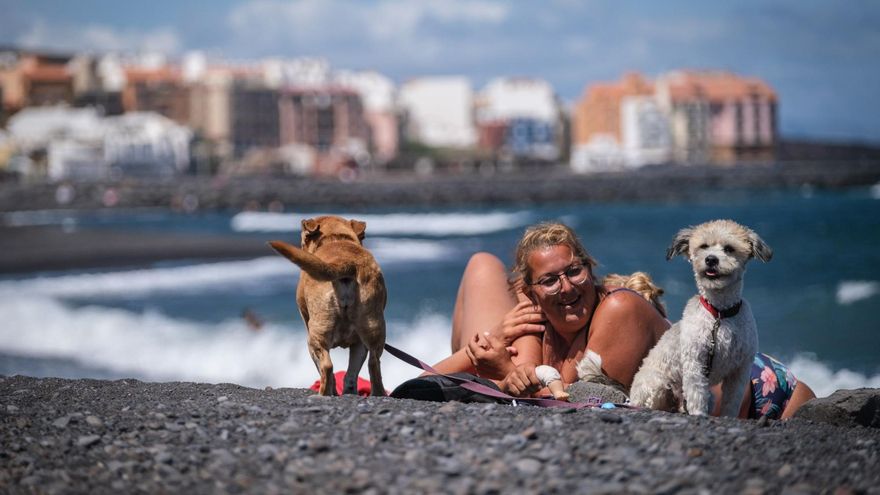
551 283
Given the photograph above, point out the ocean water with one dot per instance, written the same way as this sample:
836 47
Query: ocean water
816 302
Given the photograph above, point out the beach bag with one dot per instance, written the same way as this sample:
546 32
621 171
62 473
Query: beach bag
442 388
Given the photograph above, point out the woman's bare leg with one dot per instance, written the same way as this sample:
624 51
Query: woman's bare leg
802 393
483 299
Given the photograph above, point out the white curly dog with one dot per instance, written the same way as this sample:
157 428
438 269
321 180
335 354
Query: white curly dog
717 338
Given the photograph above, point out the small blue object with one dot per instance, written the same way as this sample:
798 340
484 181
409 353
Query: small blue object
608 405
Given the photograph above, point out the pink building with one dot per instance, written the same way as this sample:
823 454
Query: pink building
719 116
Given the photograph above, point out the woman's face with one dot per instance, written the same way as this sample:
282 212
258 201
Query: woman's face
570 309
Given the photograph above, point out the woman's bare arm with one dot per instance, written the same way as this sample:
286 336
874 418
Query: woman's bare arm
623 330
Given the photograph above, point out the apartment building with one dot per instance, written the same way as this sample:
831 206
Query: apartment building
331 121
520 118
254 117
718 116
617 125
439 111
29 78
157 89
378 96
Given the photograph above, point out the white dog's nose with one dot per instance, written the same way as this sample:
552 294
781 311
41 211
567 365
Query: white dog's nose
711 260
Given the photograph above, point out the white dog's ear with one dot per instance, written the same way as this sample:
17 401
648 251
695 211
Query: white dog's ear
679 243
760 249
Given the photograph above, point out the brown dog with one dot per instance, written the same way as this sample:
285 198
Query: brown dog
341 297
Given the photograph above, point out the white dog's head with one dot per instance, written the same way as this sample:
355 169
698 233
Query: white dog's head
718 251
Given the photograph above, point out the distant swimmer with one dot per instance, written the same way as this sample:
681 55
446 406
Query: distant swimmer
254 322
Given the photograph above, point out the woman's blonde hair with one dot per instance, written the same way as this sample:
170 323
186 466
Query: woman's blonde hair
544 235
639 282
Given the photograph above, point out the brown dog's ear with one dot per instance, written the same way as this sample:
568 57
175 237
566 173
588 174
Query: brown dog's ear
310 227
359 228
679 243
760 249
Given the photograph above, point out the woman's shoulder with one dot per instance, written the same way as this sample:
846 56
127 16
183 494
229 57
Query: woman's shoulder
620 298
626 304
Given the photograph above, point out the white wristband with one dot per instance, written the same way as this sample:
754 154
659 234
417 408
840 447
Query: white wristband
547 374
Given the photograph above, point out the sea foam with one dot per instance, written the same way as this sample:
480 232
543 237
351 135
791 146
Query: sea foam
849 292
824 380
423 224
152 346
198 277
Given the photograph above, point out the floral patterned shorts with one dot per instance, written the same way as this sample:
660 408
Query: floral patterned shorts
772 386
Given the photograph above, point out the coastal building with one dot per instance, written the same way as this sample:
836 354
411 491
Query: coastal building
438 111
76 159
298 72
34 128
377 94
32 78
615 125
718 116
78 143
210 100
329 120
645 135
98 82
158 89
254 119
145 144
519 118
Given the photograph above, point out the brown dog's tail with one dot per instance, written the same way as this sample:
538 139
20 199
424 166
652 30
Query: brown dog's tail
317 268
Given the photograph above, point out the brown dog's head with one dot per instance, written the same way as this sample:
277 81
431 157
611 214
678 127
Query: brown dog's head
314 230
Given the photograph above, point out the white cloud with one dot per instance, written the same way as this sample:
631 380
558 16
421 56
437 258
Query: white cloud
96 37
682 30
317 26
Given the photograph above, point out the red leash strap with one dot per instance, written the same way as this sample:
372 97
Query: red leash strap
483 389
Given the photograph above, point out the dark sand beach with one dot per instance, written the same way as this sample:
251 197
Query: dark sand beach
127 436
44 248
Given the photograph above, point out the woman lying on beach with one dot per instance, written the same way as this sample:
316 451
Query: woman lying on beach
557 315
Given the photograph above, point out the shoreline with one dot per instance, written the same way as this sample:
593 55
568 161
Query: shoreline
50 248
99 436
521 186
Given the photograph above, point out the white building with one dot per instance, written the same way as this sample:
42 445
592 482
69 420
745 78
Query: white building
645 132
79 144
439 111
528 108
72 159
601 154
378 95
146 143
518 97
33 128
300 72
646 139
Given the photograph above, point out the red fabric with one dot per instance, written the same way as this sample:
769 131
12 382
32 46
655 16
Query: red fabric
363 386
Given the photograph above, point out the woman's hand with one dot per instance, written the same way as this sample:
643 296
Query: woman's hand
521 382
524 319
490 356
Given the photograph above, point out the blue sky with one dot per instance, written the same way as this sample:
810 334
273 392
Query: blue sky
822 57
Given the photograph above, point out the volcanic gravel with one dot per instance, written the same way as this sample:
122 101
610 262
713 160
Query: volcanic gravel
127 436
